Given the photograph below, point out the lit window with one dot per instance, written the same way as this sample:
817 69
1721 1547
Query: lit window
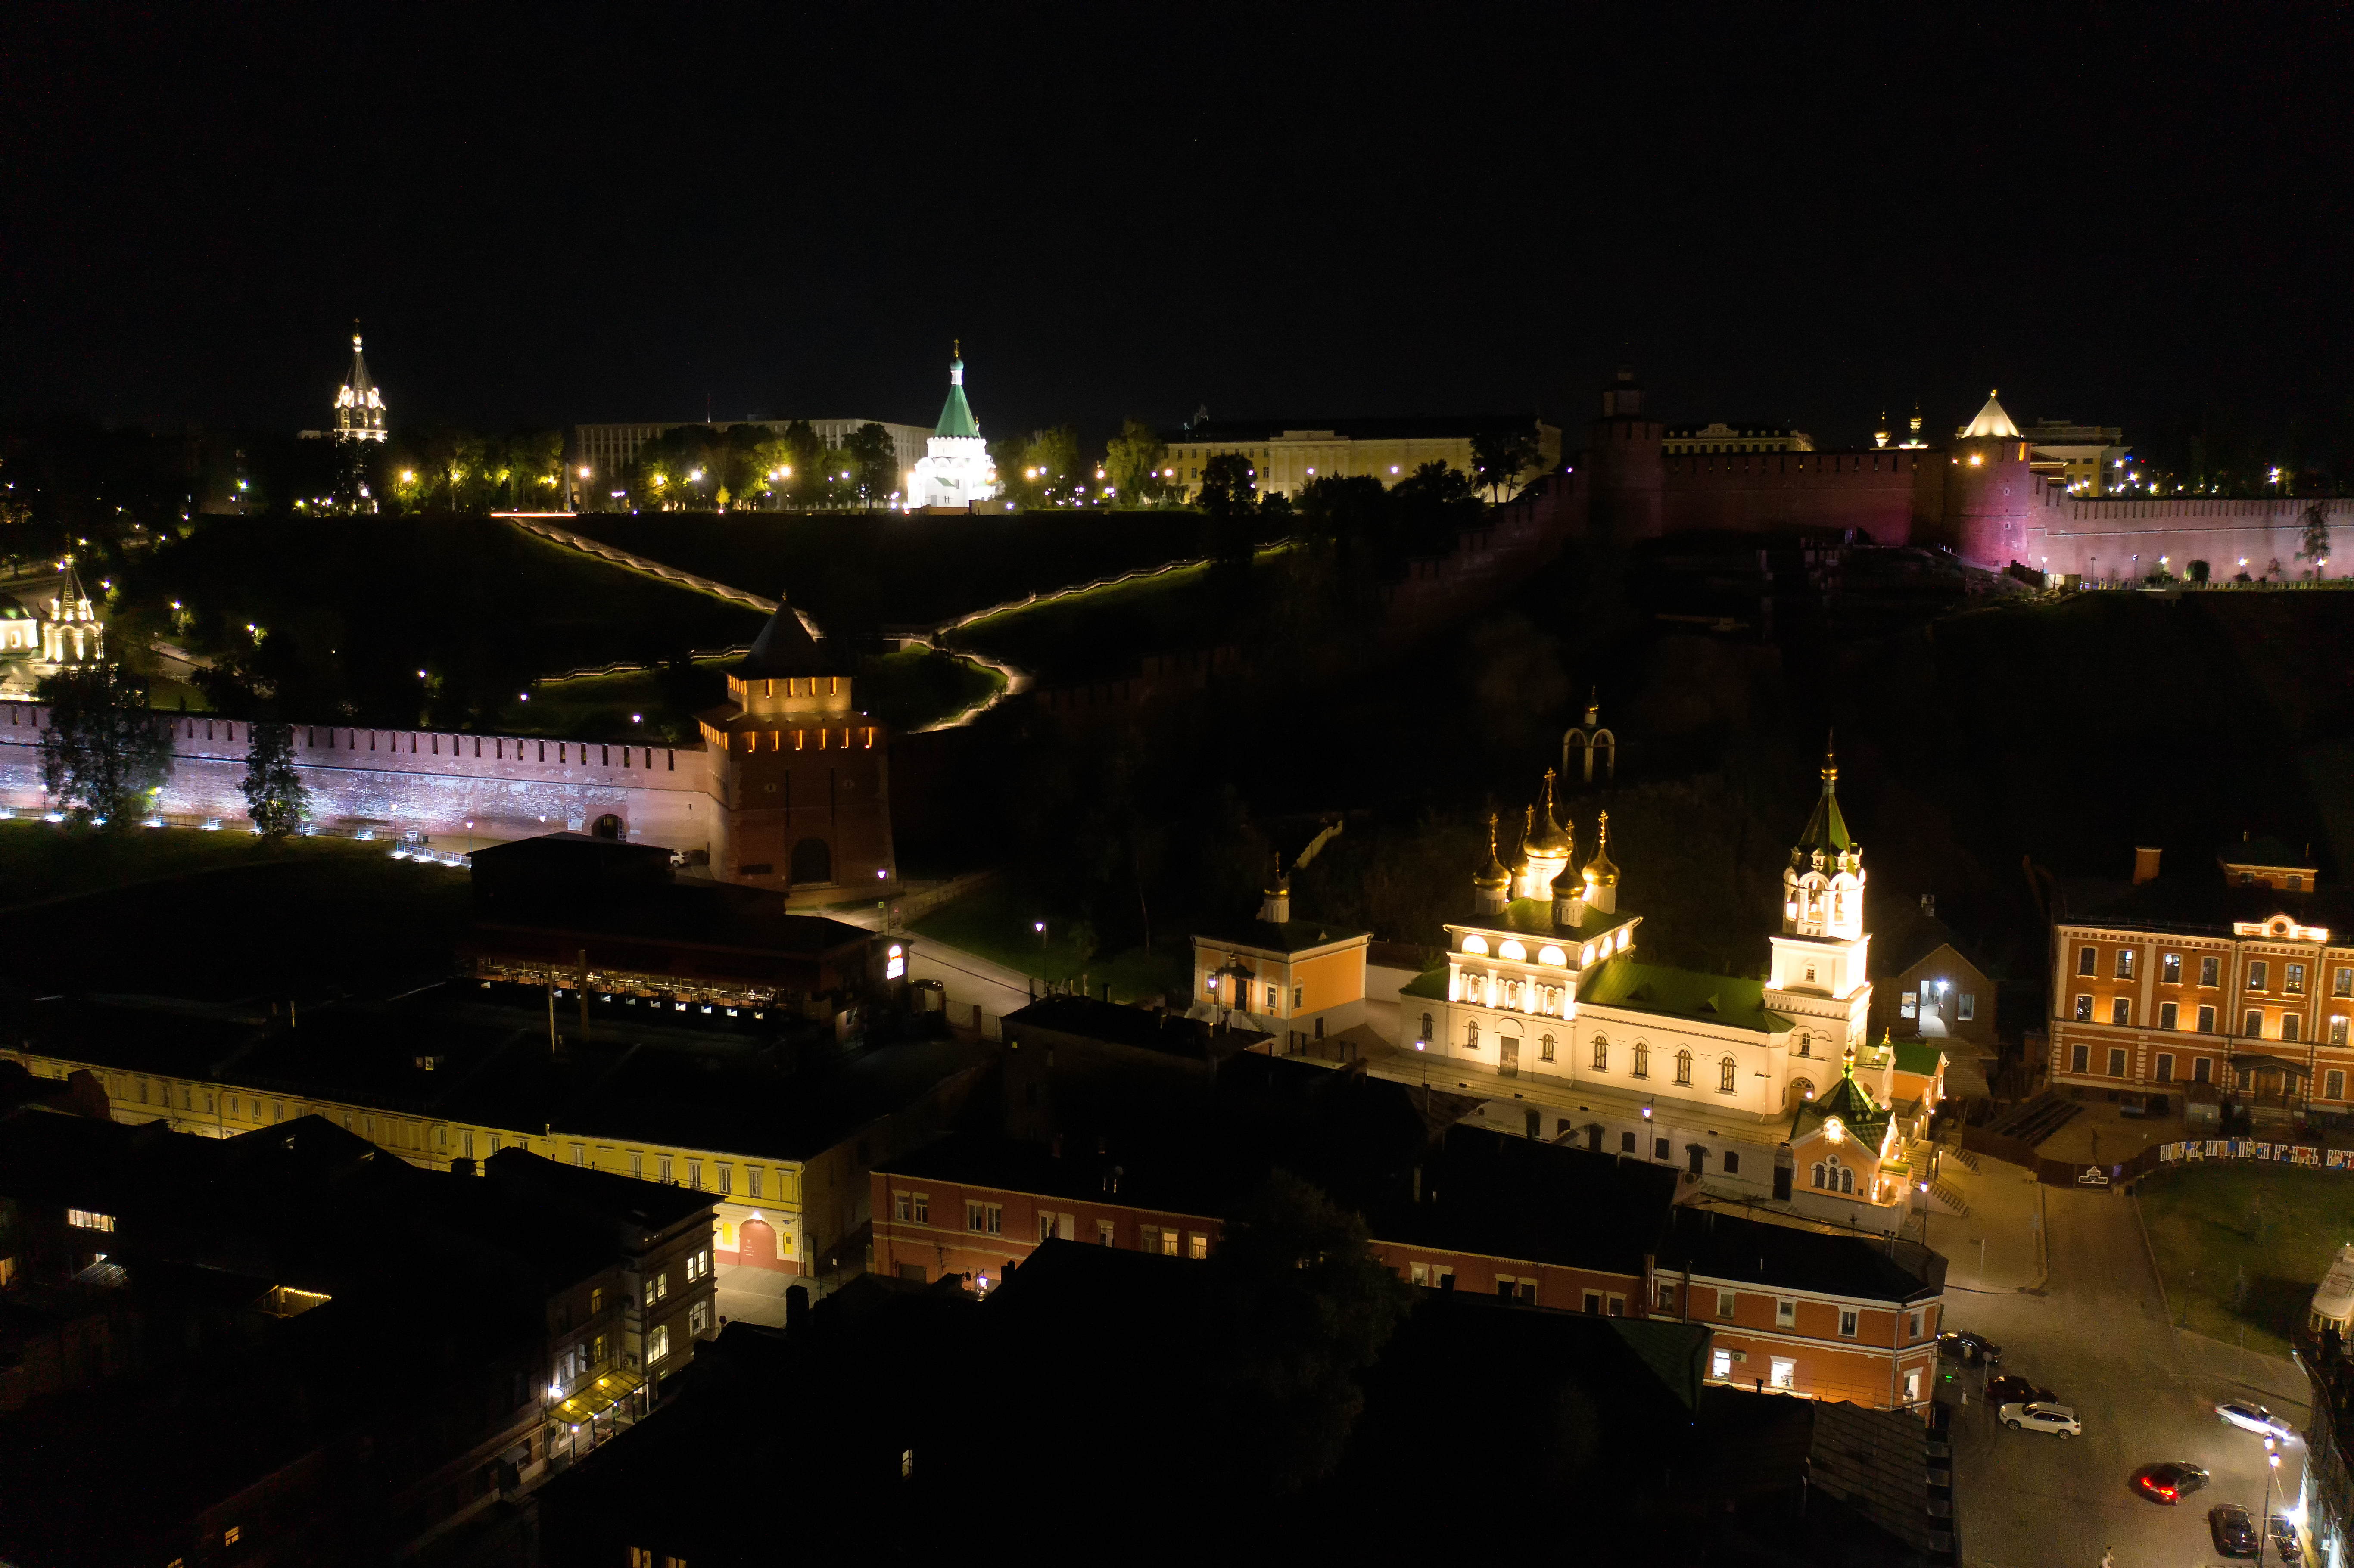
698 1317
658 1344
1786 1314
923 1208
1847 1321
1726 1073
90 1220
1511 950
1199 1244
1601 1053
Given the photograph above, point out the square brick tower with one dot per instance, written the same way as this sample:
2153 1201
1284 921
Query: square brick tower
799 773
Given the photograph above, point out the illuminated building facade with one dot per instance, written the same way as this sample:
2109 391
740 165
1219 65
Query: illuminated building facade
954 470
1299 979
2241 980
1289 454
359 407
1544 1010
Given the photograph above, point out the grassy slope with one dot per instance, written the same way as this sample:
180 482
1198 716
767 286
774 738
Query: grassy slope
219 916
853 572
2280 1225
997 923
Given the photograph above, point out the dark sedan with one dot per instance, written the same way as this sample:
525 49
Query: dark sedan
1968 1348
2009 1390
2233 1529
2169 1482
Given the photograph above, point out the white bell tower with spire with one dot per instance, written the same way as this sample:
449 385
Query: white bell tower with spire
1821 977
359 407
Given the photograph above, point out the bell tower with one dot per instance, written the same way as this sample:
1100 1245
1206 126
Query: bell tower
1821 977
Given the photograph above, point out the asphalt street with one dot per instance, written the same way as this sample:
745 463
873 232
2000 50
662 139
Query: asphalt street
2097 1335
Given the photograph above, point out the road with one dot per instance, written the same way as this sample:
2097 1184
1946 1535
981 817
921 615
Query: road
2098 1336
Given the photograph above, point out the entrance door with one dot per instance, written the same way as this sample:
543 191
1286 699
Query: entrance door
1782 1181
758 1242
1699 1158
1507 1059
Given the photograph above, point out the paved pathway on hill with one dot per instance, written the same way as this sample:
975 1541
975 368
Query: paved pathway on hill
547 530
2098 1335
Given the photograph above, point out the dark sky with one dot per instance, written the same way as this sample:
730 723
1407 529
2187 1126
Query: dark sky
1792 212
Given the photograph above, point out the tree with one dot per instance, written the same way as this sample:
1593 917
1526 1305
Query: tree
535 463
1501 454
275 797
1051 462
104 755
1303 1307
2316 547
1229 495
873 457
1133 463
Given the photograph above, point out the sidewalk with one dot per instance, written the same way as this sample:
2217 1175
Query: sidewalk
2102 1134
2005 1215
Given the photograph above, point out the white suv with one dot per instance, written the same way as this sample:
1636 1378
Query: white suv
2038 1416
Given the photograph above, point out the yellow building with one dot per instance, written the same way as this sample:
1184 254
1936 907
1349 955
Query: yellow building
1300 981
1287 454
1718 436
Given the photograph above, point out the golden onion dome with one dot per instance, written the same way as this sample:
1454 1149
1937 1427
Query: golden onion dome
1492 874
1550 840
1600 871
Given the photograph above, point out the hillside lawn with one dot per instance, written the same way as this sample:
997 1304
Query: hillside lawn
2212 1224
998 922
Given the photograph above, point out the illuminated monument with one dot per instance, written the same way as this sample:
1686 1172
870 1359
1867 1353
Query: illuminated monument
954 470
359 407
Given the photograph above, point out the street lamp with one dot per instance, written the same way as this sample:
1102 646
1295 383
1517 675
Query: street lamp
2265 1514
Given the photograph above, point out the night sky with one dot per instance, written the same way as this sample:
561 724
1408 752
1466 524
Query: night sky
1803 213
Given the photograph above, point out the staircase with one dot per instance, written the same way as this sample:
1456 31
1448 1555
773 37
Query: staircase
1964 1158
1947 1199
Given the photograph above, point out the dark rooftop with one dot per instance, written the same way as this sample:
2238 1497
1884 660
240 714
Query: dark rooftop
1143 1029
1289 937
1726 1245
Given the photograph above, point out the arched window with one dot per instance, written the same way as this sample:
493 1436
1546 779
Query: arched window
1545 1048
1601 1053
1802 1088
1847 1180
1806 1043
1683 1068
1642 1069
1472 1036
1819 1173
1425 1028
1726 1072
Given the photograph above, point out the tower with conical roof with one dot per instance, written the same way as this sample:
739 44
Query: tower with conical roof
1991 492
359 407
71 633
954 470
1821 970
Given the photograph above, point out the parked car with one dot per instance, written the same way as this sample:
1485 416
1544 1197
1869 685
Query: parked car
2169 1482
1968 1348
2006 1389
2234 1531
2040 1417
2284 1533
2255 1418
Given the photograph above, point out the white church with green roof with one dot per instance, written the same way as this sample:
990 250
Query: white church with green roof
954 470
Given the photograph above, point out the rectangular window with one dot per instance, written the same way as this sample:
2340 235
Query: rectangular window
2120 1010
1732 1162
2211 968
1601 1053
2252 1024
662 1169
2292 1026
1720 1364
2341 982
1198 1244
2201 1069
2338 1030
1103 1232
1169 1239
974 1217
2085 961
1848 1318
698 1317
1616 1306
694 1174
2080 1059
2293 978
2165 1067
727 1175
1912 1324
1626 1143
1726 1302
2117 1062
1966 1009
1147 1238
1298 993
1418 1274
89 1220
1593 1303
2083 1009
1785 1373
1667 1294
2166 1015
637 1164
751 1181
1908 1004
2256 974
579 1154
994 1219
2125 963
2169 967
1046 1227
2333 1085
2206 1020
1785 1313
658 1344
1659 1149
596 1301
923 1201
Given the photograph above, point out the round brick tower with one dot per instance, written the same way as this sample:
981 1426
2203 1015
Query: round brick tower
1990 490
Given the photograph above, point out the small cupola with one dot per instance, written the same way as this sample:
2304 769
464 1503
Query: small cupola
1275 908
1491 882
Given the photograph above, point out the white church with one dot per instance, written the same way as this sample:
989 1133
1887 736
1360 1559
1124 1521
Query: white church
954 470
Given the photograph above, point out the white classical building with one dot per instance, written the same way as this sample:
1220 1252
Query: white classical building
954 470
1545 1012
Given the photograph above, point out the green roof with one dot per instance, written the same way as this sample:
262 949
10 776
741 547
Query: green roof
1850 1101
1918 1057
1431 984
1826 829
1534 917
1727 1000
956 414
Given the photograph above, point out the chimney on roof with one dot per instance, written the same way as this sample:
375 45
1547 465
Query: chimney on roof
2145 864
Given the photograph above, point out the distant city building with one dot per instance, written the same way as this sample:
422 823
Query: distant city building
1719 436
954 470
1289 453
359 407
2087 459
608 452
